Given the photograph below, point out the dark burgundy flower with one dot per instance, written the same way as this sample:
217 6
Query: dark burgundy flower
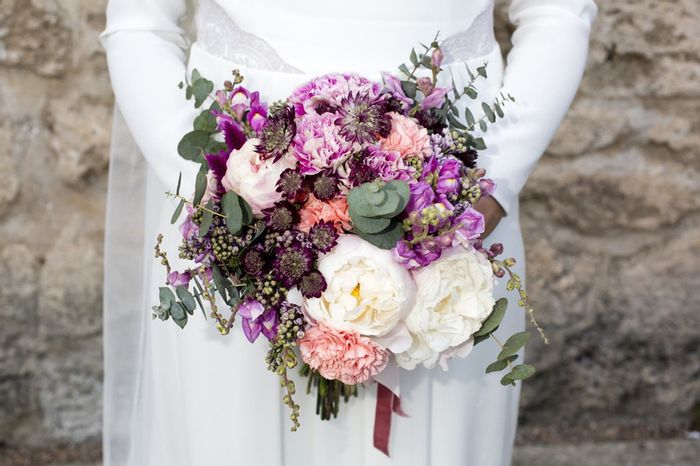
254 261
359 171
324 185
290 184
430 121
281 217
291 263
312 285
277 134
233 133
468 157
363 119
323 236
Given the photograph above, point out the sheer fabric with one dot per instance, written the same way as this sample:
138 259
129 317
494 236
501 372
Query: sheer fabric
195 398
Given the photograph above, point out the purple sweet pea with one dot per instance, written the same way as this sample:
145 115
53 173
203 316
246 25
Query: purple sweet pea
394 85
239 100
421 196
179 279
256 320
257 116
471 224
435 99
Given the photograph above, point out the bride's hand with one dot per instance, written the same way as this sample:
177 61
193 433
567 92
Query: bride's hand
492 211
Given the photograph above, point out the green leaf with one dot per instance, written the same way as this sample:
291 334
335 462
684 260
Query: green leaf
200 187
201 88
413 57
186 297
247 211
482 71
205 121
368 225
522 372
179 183
479 339
207 218
482 126
469 71
471 92
470 117
513 344
500 365
494 319
178 211
507 380
404 69
214 146
192 144
386 239
455 123
178 312
195 75
232 209
478 143
489 113
499 110
166 296
222 284
409 88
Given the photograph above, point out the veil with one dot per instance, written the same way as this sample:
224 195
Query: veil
133 190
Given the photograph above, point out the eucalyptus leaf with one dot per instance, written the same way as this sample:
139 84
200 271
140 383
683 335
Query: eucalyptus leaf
413 57
499 110
482 126
247 211
166 296
201 88
179 183
470 117
409 88
471 92
200 187
455 123
205 121
386 239
522 372
178 312
192 145
207 219
232 209
178 211
478 143
482 71
489 113
507 380
368 225
186 297
404 69
222 284
513 344
494 319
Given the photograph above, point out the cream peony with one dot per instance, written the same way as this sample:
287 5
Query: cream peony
455 296
253 179
368 292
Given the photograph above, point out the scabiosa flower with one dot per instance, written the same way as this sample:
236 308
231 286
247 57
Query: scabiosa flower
363 119
467 157
312 285
277 134
292 263
430 121
290 184
318 144
324 185
256 319
323 236
257 116
254 261
281 217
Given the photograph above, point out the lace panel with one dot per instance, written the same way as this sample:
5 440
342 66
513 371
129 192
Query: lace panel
476 41
219 35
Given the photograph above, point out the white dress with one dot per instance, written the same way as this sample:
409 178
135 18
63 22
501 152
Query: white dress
195 398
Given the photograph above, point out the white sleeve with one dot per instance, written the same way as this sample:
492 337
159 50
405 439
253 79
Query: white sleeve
146 58
543 72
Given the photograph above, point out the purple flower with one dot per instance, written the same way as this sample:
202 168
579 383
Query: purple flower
318 144
413 257
487 186
421 196
238 99
257 116
179 279
425 85
291 263
256 320
326 92
435 99
393 84
437 57
188 228
388 165
449 177
363 119
233 133
470 224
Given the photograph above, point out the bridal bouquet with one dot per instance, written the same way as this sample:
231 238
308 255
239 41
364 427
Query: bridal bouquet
339 226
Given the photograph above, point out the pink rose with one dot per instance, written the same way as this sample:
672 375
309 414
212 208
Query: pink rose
406 137
253 179
340 355
315 210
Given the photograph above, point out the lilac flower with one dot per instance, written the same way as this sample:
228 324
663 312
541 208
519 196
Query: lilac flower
449 178
318 144
393 84
421 196
470 224
179 278
257 116
256 319
435 99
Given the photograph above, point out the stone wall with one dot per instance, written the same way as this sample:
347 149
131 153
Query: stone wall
611 219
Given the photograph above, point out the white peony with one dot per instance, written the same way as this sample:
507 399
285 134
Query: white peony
454 297
253 179
368 292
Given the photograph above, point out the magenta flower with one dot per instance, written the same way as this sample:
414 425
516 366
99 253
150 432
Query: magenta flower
449 177
326 92
393 84
487 186
257 116
471 224
435 99
388 165
256 320
413 257
422 196
318 144
437 57
239 101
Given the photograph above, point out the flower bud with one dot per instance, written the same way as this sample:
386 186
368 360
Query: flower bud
437 57
425 85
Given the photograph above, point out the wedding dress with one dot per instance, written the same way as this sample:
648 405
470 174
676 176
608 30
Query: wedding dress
195 398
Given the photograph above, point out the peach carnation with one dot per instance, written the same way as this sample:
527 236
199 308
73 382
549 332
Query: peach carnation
339 355
315 210
406 137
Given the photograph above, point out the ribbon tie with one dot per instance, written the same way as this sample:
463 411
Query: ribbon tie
387 404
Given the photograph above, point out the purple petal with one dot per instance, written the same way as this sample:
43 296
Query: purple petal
269 321
394 85
435 99
251 309
217 164
251 329
233 134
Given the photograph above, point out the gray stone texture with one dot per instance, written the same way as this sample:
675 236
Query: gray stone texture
611 218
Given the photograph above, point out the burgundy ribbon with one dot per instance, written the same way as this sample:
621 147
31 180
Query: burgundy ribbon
387 403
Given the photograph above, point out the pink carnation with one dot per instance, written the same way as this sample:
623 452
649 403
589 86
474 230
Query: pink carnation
388 165
315 210
339 355
406 137
318 144
329 90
